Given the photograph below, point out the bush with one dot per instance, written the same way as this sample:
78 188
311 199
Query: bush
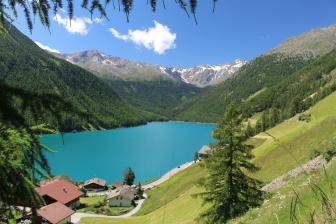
305 117
331 152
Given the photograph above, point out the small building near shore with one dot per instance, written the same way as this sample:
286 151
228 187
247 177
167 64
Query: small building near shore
116 185
55 213
204 152
95 184
122 197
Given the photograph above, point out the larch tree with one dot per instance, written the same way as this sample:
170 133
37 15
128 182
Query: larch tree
229 190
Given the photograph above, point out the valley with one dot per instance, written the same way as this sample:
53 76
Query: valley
102 130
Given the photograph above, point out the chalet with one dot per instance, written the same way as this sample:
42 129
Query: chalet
122 197
95 184
116 185
60 190
55 213
204 152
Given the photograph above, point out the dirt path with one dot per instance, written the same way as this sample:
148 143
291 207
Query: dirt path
280 181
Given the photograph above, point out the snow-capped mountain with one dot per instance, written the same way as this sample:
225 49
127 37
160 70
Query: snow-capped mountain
109 67
205 75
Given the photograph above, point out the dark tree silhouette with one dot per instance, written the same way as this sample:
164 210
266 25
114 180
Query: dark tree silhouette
42 8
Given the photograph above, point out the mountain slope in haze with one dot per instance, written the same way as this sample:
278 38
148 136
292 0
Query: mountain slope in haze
310 44
264 72
24 65
109 67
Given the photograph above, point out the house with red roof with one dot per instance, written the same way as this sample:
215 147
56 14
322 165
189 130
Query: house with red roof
55 213
60 190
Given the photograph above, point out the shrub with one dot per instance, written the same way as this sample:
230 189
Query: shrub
305 117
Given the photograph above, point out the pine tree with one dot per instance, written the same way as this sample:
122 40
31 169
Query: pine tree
249 132
140 191
228 189
129 176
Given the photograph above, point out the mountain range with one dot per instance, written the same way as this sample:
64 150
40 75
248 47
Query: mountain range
109 67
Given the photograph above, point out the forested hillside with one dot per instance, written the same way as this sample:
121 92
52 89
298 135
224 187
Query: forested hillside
295 94
26 66
158 96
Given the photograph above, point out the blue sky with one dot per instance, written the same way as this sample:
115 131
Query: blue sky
238 29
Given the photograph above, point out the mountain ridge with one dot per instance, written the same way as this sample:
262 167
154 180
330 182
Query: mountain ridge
313 43
112 67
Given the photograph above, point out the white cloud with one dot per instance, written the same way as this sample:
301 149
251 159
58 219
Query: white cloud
78 25
44 47
158 38
98 20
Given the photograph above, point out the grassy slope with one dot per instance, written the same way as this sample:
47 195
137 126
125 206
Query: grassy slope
297 140
277 208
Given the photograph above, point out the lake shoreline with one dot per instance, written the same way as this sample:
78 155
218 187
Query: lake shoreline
135 126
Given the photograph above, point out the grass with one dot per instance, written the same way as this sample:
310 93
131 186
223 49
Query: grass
98 205
172 189
256 94
297 140
89 201
149 181
173 202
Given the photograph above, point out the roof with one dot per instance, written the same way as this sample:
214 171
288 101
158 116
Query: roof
60 189
205 150
125 191
117 184
55 212
97 181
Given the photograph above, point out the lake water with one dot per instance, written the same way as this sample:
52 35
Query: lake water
150 150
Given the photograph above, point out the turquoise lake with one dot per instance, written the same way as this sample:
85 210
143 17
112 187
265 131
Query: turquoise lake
150 150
